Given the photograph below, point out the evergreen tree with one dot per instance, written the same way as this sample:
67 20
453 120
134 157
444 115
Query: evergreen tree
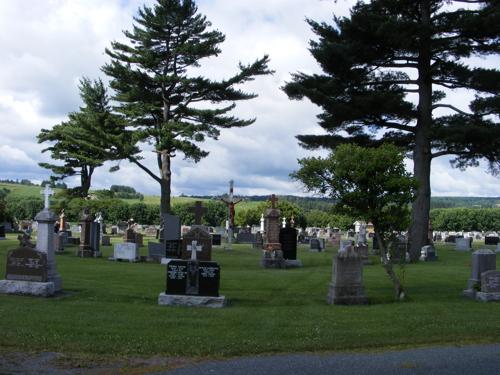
87 139
392 53
158 94
366 183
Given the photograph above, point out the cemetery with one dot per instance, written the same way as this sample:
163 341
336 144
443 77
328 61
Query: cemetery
305 309
123 242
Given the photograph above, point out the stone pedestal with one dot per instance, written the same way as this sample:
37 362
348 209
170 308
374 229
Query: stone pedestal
192 301
28 288
272 259
347 287
45 244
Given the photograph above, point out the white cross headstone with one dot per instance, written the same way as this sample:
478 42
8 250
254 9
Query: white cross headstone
194 248
262 223
283 223
47 192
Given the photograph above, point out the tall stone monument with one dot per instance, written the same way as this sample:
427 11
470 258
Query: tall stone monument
85 250
230 202
197 233
33 271
272 255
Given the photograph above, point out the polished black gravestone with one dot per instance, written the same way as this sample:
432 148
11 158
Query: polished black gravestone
216 239
288 241
165 249
186 277
192 283
2 232
491 240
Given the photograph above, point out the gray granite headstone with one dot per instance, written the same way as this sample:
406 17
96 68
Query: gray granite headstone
347 287
482 260
490 287
463 244
170 227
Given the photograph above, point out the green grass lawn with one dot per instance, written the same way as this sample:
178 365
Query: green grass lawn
110 308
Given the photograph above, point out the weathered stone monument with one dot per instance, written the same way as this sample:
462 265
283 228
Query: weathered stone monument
347 287
490 287
482 261
272 255
128 251
192 282
85 250
33 271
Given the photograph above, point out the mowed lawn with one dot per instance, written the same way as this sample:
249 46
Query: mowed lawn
110 308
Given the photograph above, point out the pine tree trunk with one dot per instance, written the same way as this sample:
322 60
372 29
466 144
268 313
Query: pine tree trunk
85 179
165 183
422 152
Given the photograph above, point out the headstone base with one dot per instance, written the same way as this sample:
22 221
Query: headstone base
293 263
469 293
272 259
131 260
488 297
88 253
27 288
337 296
192 301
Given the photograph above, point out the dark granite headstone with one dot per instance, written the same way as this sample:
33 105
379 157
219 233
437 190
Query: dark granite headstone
203 238
314 244
106 241
85 249
2 232
491 240
26 264
216 239
170 228
288 241
186 277
166 249
375 243
245 237
95 234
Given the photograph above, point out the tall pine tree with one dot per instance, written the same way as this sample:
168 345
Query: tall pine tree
88 139
391 54
158 95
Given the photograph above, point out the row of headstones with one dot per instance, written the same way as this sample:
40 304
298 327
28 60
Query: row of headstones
196 282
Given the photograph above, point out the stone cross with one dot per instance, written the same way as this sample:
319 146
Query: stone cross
262 223
273 200
283 223
194 248
198 210
47 192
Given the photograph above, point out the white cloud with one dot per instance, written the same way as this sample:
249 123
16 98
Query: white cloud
59 41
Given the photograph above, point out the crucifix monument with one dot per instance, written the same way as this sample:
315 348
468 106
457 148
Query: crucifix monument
230 201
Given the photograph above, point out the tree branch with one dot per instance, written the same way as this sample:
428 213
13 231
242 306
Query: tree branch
145 169
451 107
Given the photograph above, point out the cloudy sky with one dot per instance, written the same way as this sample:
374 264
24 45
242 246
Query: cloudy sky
48 45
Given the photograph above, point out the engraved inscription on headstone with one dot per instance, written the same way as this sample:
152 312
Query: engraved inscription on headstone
288 240
26 264
490 281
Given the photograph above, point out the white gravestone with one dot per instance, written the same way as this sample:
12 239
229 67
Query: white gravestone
126 251
462 244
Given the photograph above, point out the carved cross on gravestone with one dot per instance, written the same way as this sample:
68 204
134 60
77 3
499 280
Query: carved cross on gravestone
198 210
194 248
273 200
47 192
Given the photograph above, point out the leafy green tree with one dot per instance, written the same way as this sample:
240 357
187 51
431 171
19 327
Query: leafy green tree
159 94
387 71
369 183
86 140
